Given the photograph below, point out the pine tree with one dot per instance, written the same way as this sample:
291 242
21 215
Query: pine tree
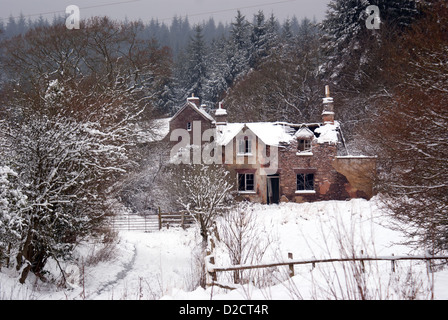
239 44
259 42
196 63
355 55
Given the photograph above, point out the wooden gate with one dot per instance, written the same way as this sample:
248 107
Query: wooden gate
151 222
135 222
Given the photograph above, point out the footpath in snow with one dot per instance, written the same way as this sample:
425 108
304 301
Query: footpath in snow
165 264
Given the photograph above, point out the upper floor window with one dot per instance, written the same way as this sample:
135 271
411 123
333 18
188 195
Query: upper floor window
304 145
244 146
189 126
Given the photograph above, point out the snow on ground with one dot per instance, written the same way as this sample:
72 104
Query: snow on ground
163 264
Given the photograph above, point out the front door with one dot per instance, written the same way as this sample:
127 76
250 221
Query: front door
273 188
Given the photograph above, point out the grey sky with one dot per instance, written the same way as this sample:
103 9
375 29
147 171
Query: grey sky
164 10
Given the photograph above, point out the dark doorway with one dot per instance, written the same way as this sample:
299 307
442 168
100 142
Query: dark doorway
273 188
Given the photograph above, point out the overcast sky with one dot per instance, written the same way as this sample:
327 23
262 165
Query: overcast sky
164 10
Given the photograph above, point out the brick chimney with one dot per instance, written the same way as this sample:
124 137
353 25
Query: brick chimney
194 99
328 112
221 116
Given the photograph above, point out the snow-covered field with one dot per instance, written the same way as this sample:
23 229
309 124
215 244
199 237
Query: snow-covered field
163 264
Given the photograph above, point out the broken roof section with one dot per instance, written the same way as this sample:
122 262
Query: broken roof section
328 133
276 134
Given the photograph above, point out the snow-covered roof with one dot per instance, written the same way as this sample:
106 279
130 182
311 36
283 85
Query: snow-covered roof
275 134
220 112
328 133
199 110
202 111
269 132
225 133
304 133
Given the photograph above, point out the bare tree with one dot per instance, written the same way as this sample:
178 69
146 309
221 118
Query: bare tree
244 239
203 191
410 133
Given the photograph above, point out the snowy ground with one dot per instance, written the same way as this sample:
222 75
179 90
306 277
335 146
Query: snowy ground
162 265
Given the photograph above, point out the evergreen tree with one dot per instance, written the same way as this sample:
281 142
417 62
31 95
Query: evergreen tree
258 39
272 32
355 54
287 31
11 27
347 40
239 43
191 67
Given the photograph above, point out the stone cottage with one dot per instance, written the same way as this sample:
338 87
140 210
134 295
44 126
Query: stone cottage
274 162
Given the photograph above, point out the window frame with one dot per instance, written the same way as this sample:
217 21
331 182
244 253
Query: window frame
244 146
245 179
307 146
307 182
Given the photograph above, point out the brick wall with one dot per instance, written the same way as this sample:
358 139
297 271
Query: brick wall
189 115
328 183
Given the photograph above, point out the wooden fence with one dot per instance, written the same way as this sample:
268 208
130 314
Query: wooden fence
176 219
151 222
213 269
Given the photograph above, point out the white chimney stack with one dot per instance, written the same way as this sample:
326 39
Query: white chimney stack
221 115
328 112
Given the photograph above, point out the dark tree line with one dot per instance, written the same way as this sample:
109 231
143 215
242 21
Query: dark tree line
207 57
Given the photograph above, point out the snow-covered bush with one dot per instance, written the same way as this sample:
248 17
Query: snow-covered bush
12 201
70 126
66 169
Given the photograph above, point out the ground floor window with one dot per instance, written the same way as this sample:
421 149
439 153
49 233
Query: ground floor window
305 181
246 182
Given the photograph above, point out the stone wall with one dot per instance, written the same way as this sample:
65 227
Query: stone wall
192 116
360 173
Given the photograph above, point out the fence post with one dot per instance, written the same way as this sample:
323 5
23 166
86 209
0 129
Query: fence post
145 217
160 219
363 269
291 266
428 262
182 219
392 262
211 260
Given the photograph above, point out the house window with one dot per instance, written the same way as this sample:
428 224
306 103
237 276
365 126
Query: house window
305 182
246 182
189 126
244 146
304 145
